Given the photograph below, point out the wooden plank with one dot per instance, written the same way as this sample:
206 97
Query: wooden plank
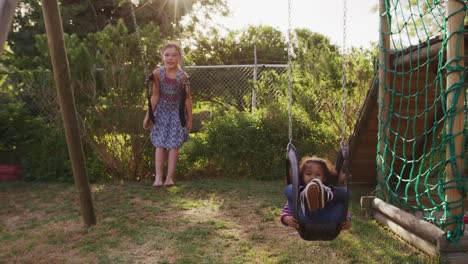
365 158
363 120
364 177
421 228
366 151
369 131
367 139
365 202
359 171
455 258
434 49
450 253
368 156
364 162
418 242
364 168
446 246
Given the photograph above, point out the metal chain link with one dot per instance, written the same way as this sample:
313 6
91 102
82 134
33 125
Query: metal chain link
137 31
233 84
343 77
290 79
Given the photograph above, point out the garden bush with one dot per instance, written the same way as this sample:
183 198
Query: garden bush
39 146
244 145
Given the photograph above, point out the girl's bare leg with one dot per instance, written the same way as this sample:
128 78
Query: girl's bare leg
159 161
171 166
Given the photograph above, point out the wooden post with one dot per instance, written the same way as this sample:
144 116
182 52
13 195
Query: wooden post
7 12
419 227
417 232
455 124
413 239
384 84
53 23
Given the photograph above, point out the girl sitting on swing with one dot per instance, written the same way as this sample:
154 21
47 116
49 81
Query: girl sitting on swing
318 202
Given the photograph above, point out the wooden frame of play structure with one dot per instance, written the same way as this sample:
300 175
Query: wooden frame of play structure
421 234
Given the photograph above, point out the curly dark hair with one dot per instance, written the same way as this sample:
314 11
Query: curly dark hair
327 166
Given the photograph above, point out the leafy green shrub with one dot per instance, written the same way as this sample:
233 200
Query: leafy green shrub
45 157
95 168
16 126
246 145
238 142
40 149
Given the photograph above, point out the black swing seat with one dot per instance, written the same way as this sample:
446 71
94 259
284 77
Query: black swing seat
319 231
148 80
315 231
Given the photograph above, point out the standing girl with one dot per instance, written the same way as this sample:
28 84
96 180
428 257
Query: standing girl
169 131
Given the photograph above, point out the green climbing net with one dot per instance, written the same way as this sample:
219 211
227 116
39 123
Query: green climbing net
419 141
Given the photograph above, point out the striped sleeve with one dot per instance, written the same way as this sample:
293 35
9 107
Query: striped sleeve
286 212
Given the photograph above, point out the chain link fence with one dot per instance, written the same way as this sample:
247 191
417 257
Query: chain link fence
229 85
110 103
36 89
223 85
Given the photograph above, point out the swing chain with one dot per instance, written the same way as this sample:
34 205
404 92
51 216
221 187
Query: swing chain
290 77
137 32
343 77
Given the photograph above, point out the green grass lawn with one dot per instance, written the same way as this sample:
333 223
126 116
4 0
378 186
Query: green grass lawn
199 221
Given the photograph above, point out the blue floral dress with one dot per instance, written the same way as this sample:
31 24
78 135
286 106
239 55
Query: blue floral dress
168 132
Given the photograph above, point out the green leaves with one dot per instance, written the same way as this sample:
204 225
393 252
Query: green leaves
253 146
237 47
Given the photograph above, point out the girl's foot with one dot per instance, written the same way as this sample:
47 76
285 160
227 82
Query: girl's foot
169 184
155 184
316 195
312 196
